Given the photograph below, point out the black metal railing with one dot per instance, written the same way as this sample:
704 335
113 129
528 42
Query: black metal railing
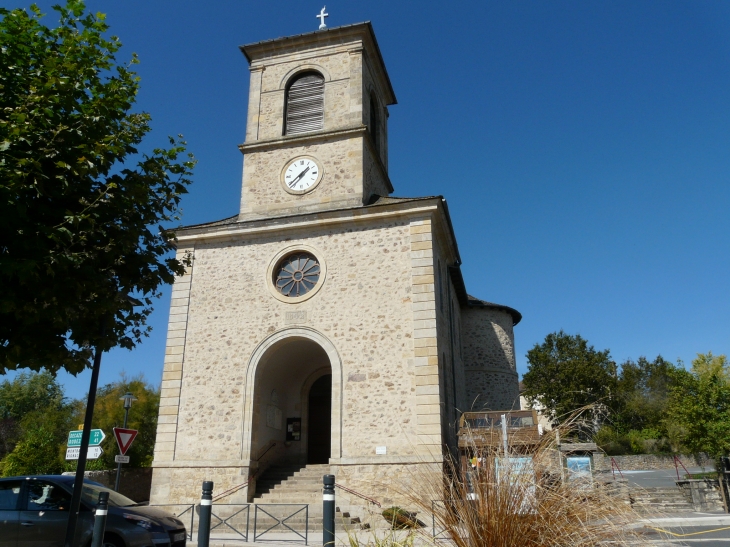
287 518
280 522
439 534
231 518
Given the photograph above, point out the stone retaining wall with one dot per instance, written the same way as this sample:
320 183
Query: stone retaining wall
133 483
644 462
704 493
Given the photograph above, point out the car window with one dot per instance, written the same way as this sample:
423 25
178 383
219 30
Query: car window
9 494
46 496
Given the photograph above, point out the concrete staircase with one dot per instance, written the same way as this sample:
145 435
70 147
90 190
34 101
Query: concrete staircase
660 500
295 485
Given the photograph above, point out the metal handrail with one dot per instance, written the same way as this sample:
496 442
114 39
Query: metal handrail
676 468
271 445
358 494
613 463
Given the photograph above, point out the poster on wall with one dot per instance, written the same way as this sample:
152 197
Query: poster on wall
293 429
579 470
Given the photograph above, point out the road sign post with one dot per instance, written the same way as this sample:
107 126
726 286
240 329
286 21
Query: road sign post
92 453
125 437
96 436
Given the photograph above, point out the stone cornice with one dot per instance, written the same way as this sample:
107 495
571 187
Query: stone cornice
307 220
301 139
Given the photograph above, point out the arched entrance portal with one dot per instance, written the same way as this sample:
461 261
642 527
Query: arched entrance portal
292 403
319 424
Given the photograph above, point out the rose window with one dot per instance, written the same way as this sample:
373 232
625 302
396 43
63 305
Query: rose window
297 274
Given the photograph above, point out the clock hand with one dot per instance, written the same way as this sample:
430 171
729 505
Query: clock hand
300 175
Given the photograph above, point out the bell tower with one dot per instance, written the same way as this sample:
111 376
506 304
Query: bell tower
316 132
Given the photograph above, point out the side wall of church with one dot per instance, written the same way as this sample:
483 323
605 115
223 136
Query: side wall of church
489 359
451 377
370 88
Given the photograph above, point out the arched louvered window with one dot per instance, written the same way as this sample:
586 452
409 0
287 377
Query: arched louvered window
305 104
374 128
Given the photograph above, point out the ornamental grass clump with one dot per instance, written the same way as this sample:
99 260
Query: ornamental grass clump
523 498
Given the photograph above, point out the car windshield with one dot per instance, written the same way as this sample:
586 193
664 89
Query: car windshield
90 496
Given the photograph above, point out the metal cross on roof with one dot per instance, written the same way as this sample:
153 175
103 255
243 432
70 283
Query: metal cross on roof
321 17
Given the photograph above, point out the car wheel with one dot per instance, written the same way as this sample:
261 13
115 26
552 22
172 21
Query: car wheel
113 541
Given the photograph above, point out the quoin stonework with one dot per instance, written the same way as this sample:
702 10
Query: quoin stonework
327 323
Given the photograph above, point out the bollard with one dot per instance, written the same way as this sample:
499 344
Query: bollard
328 511
102 509
206 507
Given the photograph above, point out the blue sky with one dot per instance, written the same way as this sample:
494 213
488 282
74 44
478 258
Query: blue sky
583 148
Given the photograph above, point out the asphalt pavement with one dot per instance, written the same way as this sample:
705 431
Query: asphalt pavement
659 478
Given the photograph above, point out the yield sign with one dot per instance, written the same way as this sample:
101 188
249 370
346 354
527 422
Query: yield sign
124 438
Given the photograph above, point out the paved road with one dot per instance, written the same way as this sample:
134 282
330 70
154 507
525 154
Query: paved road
658 478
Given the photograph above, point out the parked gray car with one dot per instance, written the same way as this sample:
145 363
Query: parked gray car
34 511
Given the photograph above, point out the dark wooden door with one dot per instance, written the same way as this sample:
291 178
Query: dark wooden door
320 421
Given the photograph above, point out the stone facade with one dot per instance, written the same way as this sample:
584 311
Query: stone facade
388 324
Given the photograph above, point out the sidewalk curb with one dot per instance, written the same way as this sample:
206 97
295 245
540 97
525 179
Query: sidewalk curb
673 522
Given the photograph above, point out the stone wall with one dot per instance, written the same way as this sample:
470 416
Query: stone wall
375 306
133 483
341 148
645 462
340 157
489 360
705 494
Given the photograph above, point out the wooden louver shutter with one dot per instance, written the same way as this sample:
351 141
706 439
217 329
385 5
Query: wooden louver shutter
305 104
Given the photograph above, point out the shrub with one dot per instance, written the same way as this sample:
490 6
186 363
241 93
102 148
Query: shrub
523 502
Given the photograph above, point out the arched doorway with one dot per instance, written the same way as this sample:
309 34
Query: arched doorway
284 371
319 426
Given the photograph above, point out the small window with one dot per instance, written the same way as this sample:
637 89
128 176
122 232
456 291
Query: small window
297 274
374 127
305 104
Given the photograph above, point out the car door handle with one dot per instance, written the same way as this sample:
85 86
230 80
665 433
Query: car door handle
27 523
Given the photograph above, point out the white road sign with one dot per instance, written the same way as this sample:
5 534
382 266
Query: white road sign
93 453
121 459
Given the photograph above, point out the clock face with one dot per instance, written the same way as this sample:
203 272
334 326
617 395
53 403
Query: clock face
301 175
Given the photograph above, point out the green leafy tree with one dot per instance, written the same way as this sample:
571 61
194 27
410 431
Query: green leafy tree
109 413
81 209
700 405
37 419
28 394
565 374
37 453
642 394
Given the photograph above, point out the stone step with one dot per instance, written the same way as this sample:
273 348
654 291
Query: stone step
660 499
307 483
289 485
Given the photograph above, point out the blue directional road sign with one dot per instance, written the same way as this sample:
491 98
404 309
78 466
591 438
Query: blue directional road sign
74 438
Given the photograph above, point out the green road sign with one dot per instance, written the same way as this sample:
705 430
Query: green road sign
74 438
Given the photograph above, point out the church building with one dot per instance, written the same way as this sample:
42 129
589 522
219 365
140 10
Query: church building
327 322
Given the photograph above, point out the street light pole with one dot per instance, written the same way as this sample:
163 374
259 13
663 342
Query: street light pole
73 513
128 398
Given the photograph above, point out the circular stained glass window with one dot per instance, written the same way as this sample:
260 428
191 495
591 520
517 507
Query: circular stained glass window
297 274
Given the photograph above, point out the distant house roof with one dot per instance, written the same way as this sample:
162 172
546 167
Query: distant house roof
477 303
468 301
